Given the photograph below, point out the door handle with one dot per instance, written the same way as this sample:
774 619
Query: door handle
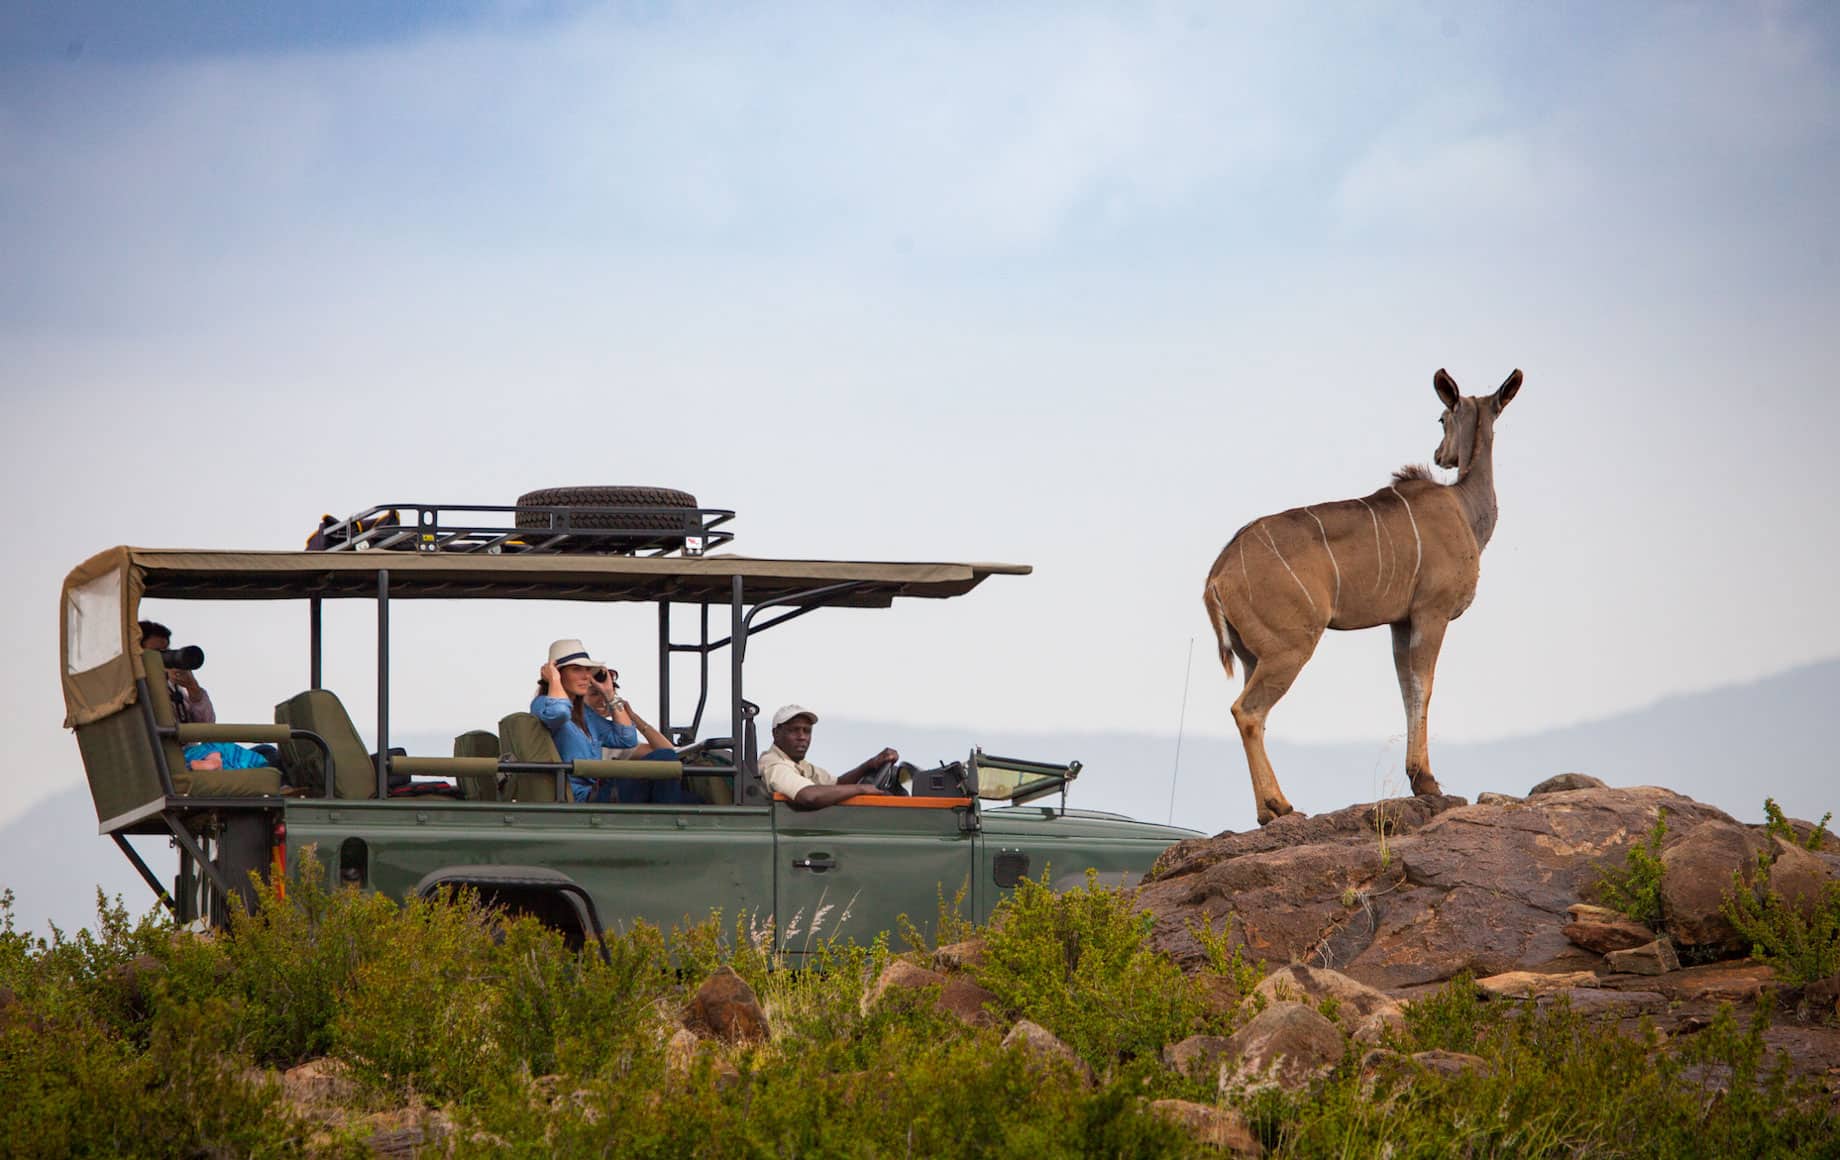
817 863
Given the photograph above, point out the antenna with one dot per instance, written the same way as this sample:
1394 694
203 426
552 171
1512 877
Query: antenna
1188 669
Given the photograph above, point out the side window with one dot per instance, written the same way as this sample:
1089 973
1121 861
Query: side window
92 623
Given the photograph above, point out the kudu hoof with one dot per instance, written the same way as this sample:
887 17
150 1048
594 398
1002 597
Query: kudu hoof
1269 813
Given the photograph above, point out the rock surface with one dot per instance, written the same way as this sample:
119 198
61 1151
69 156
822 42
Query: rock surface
1287 1044
1197 1055
1655 958
1455 887
1038 1042
1696 875
725 1008
1210 1126
1605 937
1508 890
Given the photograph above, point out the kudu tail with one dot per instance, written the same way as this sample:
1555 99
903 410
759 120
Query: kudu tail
1223 632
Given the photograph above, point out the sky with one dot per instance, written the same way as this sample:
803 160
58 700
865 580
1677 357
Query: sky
1081 286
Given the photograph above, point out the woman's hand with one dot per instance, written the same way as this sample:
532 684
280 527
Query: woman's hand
550 675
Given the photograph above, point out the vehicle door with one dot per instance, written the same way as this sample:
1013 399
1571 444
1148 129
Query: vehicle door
851 870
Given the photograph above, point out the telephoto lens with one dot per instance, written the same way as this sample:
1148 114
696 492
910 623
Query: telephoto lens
189 657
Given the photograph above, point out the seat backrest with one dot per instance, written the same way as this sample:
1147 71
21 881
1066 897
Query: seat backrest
118 755
524 738
319 711
160 699
477 743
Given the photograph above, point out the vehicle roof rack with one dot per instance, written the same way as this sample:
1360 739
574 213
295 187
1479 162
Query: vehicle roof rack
526 529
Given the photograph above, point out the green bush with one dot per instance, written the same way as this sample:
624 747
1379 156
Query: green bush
1635 887
1556 1084
534 1050
1079 964
1801 949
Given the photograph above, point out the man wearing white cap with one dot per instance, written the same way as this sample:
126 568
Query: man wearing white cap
807 786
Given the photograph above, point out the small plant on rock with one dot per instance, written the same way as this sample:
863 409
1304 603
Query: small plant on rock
1635 888
1777 825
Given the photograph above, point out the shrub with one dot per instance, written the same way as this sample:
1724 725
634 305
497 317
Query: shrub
1635 887
1801 949
1557 1085
1078 963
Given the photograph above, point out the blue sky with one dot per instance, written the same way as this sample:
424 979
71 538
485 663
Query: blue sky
1083 286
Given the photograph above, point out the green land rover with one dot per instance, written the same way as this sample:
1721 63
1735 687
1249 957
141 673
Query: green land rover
508 828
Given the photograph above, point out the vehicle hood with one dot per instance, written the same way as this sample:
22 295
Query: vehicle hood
1035 820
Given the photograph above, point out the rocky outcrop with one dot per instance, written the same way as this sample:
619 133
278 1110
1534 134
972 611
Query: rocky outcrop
1411 891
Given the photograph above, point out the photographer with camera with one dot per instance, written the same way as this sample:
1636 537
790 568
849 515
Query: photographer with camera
578 700
191 703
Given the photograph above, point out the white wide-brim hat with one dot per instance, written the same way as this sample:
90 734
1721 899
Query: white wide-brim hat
571 652
788 712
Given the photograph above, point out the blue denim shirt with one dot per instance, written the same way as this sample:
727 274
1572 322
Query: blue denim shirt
573 744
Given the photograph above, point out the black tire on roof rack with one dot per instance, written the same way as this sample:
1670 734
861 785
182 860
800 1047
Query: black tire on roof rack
591 497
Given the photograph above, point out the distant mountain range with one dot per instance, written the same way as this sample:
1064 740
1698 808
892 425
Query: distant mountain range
1730 748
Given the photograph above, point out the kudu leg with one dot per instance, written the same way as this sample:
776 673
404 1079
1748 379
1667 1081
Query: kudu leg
1415 652
1267 679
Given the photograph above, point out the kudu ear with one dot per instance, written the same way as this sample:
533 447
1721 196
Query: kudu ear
1507 390
1446 388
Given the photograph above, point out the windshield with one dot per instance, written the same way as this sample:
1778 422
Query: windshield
1007 779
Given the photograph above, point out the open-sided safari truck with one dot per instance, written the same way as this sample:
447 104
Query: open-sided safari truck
511 831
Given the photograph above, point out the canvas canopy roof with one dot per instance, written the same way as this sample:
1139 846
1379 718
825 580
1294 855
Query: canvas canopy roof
101 596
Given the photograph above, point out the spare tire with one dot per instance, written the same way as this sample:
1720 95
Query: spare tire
593 497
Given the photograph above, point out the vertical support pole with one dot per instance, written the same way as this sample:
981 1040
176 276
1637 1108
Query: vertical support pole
383 683
664 670
737 649
314 639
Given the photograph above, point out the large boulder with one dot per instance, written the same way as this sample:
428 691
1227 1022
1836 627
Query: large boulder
1453 887
725 1008
1696 878
1287 1044
1802 877
956 995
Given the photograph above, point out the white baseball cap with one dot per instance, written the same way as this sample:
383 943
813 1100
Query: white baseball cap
788 712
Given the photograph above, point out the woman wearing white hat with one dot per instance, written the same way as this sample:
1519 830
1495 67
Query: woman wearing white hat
572 693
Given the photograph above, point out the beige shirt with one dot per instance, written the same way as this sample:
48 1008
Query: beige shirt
784 775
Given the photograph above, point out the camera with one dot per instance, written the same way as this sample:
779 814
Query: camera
188 658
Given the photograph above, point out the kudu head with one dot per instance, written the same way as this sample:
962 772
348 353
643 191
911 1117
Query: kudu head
1468 420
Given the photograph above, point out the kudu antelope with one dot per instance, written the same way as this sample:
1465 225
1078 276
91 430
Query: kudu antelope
1406 556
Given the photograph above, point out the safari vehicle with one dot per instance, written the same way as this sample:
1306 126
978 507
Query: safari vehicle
511 832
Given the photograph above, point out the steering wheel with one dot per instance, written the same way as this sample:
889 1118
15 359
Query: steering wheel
888 778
